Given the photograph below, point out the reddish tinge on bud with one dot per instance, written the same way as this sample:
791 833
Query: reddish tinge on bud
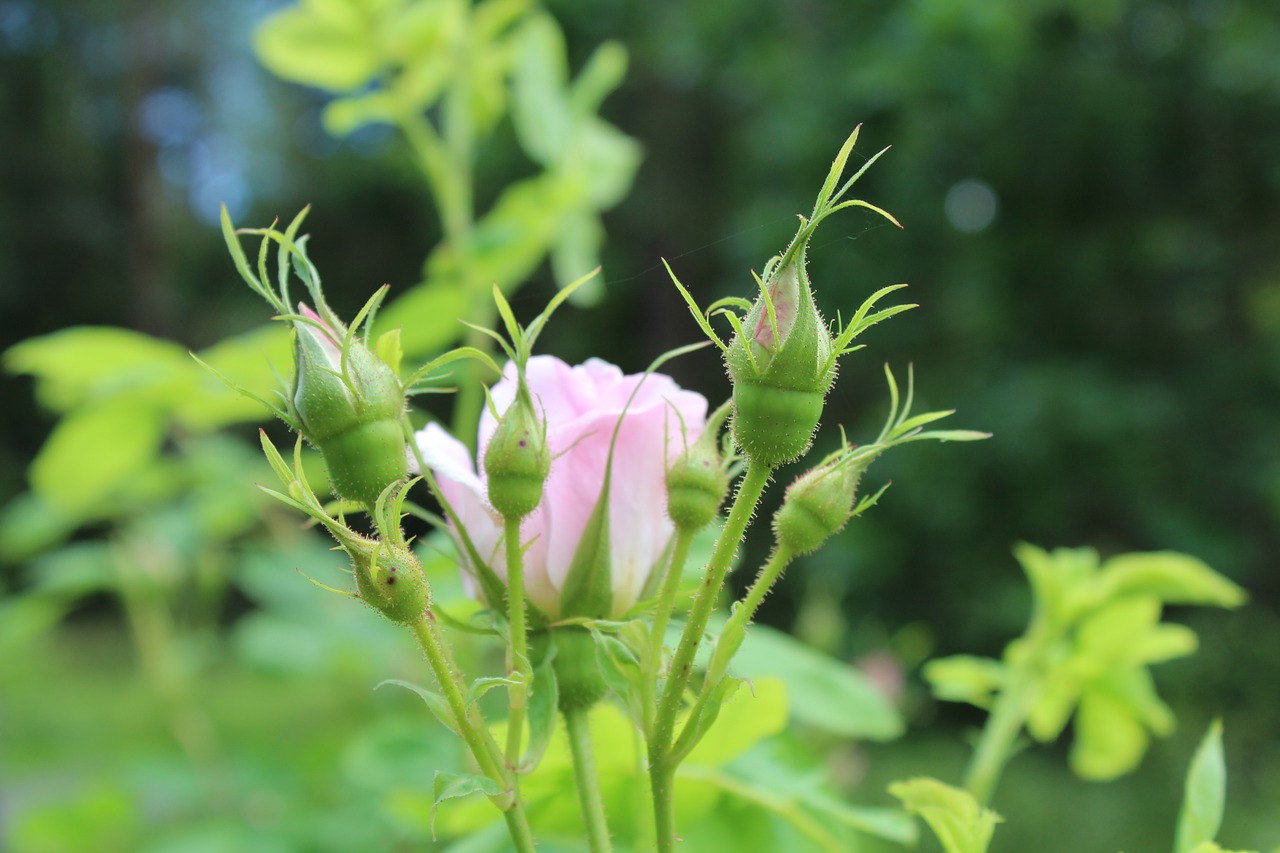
782 373
351 412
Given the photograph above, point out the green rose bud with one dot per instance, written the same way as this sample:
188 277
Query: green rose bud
389 579
782 358
820 502
781 365
698 479
579 682
352 418
518 458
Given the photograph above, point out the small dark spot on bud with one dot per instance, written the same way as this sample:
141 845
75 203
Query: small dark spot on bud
391 580
524 443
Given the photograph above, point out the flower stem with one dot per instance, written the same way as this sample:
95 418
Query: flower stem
584 772
995 747
1009 714
471 727
662 780
662 615
518 666
661 766
769 574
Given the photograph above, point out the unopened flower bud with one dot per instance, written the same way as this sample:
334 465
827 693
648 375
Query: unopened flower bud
517 459
819 503
697 481
781 373
389 578
579 681
353 419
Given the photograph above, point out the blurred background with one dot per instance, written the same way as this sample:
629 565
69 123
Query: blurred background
1090 191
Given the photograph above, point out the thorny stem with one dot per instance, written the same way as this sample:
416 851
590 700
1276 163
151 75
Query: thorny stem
661 765
470 722
474 732
517 643
584 772
662 614
768 576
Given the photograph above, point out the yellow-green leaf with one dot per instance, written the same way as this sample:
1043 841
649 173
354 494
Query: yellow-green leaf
961 825
330 48
93 452
1173 578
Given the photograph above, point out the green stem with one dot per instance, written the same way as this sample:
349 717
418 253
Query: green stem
517 642
584 772
744 504
474 732
1008 715
662 781
662 615
769 574
742 616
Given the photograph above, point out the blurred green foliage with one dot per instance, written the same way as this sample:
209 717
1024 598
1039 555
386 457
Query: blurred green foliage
1090 193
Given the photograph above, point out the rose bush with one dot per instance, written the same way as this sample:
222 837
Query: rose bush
582 406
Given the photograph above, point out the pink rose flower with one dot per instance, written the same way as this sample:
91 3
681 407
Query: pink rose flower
582 405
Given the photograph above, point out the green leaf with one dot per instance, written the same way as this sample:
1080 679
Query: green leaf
964 678
602 73
543 711
481 686
29 525
744 720
1111 633
413 32
703 716
1164 642
329 46
344 116
1171 577
1206 792
890 824
607 159
1056 703
576 252
434 701
427 316
73 365
540 110
954 815
94 451
448 786
1109 738
389 350
620 663
825 693
1056 576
